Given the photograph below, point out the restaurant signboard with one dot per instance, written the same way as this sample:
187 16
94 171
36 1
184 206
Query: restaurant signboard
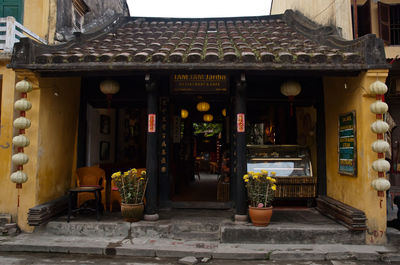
347 144
199 83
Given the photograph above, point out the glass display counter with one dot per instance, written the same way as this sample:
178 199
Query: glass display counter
292 165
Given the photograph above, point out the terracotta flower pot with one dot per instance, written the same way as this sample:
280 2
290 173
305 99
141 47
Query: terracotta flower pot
260 216
132 212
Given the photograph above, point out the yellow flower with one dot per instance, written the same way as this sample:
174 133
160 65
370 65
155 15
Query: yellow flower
141 179
264 171
246 176
255 177
246 180
144 172
273 187
273 173
273 180
134 170
126 173
251 172
116 175
268 178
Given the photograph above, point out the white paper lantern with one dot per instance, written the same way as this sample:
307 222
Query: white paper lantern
379 126
22 105
109 87
379 107
20 159
23 86
22 123
378 88
380 146
19 177
381 165
290 88
381 184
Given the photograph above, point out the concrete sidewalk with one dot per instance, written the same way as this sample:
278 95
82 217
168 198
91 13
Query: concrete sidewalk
157 247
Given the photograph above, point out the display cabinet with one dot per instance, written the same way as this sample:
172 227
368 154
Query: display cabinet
292 165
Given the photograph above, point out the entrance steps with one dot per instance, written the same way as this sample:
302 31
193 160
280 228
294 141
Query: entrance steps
306 226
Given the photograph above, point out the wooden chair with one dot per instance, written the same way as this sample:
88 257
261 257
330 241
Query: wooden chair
90 177
115 196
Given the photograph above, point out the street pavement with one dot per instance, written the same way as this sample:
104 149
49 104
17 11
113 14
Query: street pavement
9 258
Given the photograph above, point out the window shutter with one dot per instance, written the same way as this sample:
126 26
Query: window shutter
11 8
384 22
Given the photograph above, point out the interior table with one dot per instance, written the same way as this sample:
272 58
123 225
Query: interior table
72 199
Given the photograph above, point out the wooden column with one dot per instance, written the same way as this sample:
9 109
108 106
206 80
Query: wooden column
240 149
151 153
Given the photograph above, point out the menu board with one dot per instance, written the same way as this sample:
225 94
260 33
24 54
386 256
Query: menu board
347 144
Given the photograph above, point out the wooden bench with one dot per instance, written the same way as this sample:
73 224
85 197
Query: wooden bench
344 214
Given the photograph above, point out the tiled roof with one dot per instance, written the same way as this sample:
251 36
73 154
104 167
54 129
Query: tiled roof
287 41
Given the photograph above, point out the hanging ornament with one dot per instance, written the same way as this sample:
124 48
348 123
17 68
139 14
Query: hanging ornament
184 113
291 89
22 105
22 123
23 86
20 159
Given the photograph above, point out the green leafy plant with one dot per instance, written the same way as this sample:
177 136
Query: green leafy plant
260 188
131 185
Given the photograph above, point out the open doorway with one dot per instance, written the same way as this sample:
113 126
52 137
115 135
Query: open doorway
201 170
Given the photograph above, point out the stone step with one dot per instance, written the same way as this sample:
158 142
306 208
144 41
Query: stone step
196 236
275 234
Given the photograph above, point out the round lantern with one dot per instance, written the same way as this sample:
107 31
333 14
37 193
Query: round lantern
379 107
23 86
21 141
208 117
381 184
378 88
379 126
203 106
381 165
184 113
22 123
109 87
22 105
224 112
380 146
20 159
290 88
19 177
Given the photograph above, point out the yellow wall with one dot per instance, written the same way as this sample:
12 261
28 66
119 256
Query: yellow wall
40 17
57 136
336 13
8 197
355 190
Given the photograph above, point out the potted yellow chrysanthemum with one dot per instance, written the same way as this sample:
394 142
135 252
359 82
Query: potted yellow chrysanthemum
260 190
132 187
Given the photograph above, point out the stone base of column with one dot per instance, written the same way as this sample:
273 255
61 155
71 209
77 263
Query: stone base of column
241 218
151 217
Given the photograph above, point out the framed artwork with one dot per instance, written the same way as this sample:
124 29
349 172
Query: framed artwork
105 124
104 150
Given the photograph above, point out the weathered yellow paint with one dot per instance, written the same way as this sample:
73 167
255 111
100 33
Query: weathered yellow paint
57 136
36 17
323 12
8 195
355 190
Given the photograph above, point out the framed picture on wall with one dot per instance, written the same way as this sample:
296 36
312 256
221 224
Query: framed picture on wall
105 124
104 151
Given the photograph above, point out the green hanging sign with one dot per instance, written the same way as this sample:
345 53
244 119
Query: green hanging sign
347 144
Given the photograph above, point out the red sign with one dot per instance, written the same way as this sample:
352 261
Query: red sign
240 122
151 123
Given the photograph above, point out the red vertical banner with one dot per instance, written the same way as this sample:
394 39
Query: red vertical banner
240 123
151 127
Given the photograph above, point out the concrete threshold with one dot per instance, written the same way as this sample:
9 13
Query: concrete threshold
151 247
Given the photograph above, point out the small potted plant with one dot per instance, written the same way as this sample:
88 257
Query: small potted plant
132 187
260 190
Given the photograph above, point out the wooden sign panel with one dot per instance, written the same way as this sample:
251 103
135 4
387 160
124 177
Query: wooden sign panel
347 144
241 124
151 123
199 83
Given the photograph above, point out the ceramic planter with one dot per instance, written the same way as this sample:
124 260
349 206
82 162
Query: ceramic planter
260 216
